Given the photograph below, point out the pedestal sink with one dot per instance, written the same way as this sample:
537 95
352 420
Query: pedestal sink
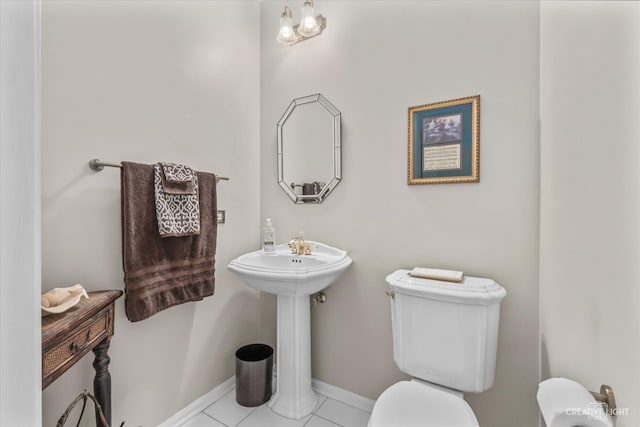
292 278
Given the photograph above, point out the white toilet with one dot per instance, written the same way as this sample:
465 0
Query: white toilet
445 335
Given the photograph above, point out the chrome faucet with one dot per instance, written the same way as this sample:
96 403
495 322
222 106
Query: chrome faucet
299 246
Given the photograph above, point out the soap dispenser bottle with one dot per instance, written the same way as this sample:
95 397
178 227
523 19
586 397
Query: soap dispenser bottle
268 238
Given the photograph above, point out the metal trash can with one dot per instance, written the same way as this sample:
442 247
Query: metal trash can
254 369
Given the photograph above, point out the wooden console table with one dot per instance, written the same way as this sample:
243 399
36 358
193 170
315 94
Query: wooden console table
68 336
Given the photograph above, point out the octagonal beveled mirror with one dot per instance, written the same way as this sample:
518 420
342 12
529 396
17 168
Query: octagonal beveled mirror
309 149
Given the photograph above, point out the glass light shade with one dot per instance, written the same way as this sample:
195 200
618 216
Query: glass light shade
286 35
308 24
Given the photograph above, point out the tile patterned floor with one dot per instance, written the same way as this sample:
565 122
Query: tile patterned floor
225 412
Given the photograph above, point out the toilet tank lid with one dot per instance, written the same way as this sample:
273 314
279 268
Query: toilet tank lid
472 290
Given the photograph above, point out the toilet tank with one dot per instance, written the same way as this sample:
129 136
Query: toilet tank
446 333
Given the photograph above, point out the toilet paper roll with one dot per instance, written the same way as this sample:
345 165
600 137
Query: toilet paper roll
566 403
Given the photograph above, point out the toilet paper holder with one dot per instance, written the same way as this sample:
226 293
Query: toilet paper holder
606 397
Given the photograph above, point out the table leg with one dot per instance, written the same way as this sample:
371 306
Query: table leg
102 380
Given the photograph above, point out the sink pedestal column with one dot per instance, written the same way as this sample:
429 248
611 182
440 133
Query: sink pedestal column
294 397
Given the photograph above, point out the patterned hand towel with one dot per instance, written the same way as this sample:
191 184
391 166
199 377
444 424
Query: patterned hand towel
177 179
160 273
177 173
177 210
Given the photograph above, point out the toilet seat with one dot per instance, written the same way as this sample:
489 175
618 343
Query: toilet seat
414 404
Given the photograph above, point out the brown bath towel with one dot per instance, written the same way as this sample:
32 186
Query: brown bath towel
162 272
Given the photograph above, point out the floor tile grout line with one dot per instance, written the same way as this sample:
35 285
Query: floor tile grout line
330 421
320 405
248 415
213 418
223 423
347 404
213 403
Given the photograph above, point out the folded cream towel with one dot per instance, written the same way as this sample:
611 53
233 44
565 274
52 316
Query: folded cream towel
178 214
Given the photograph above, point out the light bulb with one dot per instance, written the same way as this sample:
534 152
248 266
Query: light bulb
308 24
286 35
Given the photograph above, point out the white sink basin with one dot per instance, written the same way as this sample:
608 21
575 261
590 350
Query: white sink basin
292 278
284 273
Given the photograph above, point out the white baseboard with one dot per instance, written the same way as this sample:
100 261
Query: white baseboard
343 395
200 404
320 387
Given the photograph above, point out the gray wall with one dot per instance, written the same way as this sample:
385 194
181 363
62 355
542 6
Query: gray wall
147 82
374 60
590 203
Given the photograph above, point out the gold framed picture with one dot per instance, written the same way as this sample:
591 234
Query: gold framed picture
444 142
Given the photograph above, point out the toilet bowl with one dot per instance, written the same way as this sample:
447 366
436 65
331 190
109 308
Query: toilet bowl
416 404
445 335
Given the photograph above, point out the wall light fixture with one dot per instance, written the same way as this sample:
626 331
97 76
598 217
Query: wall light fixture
310 25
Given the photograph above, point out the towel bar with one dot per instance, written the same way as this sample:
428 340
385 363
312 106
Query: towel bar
97 165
